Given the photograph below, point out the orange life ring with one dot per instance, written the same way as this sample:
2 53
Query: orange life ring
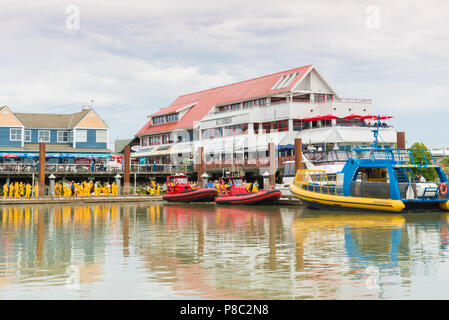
443 188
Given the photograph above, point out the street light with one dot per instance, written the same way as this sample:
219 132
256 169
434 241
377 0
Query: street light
265 176
117 181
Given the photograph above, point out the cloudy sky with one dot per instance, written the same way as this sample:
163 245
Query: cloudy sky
133 57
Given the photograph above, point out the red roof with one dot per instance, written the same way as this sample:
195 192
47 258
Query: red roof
205 100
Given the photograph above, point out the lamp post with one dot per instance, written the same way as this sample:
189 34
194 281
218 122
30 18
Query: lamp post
117 181
52 184
265 176
204 177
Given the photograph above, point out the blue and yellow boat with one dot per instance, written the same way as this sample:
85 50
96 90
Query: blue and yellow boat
377 179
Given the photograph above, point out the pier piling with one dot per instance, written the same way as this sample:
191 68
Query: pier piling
400 137
272 155
126 178
201 166
41 189
298 154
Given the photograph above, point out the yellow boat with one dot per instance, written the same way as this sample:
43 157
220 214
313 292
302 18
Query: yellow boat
375 180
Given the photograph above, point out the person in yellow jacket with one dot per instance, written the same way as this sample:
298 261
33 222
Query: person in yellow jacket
16 190
158 189
21 189
28 190
11 190
36 190
5 190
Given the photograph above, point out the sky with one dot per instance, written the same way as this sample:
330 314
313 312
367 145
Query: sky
134 57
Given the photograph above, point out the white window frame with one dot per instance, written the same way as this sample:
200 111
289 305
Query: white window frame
39 136
15 134
81 135
24 135
102 139
60 133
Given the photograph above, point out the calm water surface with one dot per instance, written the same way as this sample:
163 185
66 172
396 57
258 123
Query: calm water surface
156 251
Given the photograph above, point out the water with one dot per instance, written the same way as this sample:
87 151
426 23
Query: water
156 251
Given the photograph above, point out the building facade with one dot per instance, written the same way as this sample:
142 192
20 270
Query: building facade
68 137
235 123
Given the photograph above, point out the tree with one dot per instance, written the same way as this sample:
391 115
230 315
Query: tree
420 157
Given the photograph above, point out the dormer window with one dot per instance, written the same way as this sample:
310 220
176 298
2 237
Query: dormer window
285 81
165 118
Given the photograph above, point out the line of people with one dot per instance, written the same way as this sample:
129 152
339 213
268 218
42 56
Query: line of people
85 189
19 190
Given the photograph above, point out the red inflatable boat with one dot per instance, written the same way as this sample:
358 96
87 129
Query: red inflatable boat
232 191
179 190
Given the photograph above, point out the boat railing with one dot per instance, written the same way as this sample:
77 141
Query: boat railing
316 181
413 157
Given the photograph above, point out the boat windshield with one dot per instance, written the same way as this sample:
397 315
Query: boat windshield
237 183
182 180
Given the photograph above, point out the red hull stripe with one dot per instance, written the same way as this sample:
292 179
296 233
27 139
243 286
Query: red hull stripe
253 198
194 195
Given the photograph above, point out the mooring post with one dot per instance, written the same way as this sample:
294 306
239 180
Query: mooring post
298 154
127 170
201 166
272 172
41 188
400 138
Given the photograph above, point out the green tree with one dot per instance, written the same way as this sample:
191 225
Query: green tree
420 157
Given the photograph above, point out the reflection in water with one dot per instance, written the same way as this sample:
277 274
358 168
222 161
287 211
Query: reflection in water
202 251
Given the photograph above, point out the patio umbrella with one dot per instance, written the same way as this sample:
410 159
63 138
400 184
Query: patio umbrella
372 117
353 116
329 117
116 156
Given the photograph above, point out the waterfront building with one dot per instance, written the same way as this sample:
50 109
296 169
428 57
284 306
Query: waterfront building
235 123
77 138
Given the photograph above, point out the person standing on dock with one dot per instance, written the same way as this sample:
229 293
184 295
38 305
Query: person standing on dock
28 190
5 190
11 190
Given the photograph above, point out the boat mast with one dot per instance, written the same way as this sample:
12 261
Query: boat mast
376 133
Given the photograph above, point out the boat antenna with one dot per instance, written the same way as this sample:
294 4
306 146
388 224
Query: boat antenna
376 133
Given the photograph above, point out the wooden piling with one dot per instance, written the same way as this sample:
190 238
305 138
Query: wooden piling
400 137
272 172
127 169
200 166
298 154
42 147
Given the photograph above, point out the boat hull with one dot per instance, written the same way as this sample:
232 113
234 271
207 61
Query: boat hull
262 197
200 195
317 200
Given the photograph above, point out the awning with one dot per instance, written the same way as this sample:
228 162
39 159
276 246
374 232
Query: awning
183 149
160 151
285 147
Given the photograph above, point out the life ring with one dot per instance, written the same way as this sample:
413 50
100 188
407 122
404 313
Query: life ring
443 188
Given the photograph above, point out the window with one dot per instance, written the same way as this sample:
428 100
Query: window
101 136
70 136
319 97
285 80
27 135
81 135
276 126
236 129
43 136
212 133
15 134
166 118
63 136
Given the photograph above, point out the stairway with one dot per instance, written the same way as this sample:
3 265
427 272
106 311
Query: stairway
400 174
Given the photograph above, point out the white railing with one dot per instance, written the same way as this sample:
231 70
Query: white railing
99 168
